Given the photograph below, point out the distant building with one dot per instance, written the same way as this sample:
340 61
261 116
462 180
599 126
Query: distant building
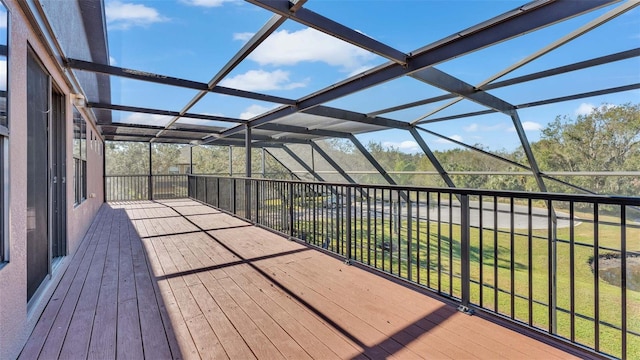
51 165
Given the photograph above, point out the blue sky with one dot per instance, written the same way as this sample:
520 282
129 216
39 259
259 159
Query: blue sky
193 39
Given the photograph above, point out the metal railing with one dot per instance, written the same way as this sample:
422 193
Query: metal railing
145 187
559 264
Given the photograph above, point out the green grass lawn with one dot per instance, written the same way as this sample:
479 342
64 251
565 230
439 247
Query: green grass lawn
524 273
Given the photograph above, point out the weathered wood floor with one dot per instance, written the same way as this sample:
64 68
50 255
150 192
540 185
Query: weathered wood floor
176 279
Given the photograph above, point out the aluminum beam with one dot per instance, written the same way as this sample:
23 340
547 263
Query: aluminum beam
184 139
521 79
356 117
301 162
330 27
554 45
565 69
332 162
269 127
517 22
434 161
539 103
264 32
265 150
444 81
453 85
247 150
151 127
247 172
161 112
526 146
511 162
324 111
372 160
623 8
303 130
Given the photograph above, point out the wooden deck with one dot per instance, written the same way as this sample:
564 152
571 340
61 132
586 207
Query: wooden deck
176 279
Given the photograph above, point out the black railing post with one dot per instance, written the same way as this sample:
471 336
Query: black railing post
409 238
217 192
349 224
233 196
465 259
150 195
290 204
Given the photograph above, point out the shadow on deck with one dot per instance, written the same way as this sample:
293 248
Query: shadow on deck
177 279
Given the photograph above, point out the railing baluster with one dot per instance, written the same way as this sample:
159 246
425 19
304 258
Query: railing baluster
409 238
572 272
450 244
551 267
418 237
530 259
439 242
496 284
512 271
596 277
465 249
623 277
481 250
348 234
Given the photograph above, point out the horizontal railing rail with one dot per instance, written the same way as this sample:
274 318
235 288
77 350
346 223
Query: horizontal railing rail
145 187
564 265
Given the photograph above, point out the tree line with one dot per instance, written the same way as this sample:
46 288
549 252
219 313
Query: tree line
605 140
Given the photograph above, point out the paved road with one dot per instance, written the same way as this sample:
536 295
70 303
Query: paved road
539 218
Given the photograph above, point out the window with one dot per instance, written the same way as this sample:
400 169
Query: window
4 136
79 157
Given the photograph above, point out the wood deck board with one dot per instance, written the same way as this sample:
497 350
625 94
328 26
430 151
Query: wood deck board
258 343
56 338
176 279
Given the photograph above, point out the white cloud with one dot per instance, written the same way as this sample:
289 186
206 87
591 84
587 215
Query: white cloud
471 128
584 109
207 3
147 119
484 128
245 36
452 137
3 20
407 146
260 80
122 16
290 48
112 61
531 126
528 126
254 110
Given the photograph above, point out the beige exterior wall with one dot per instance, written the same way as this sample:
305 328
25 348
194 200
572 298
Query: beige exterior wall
17 318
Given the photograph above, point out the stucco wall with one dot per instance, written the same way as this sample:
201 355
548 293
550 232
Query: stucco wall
17 318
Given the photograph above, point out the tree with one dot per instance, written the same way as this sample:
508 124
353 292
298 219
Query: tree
607 139
127 158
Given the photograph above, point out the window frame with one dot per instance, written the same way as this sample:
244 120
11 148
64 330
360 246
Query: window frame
4 154
79 158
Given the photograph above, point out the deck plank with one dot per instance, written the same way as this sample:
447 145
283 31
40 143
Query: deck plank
186 345
49 315
259 344
129 337
176 279
55 340
155 339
